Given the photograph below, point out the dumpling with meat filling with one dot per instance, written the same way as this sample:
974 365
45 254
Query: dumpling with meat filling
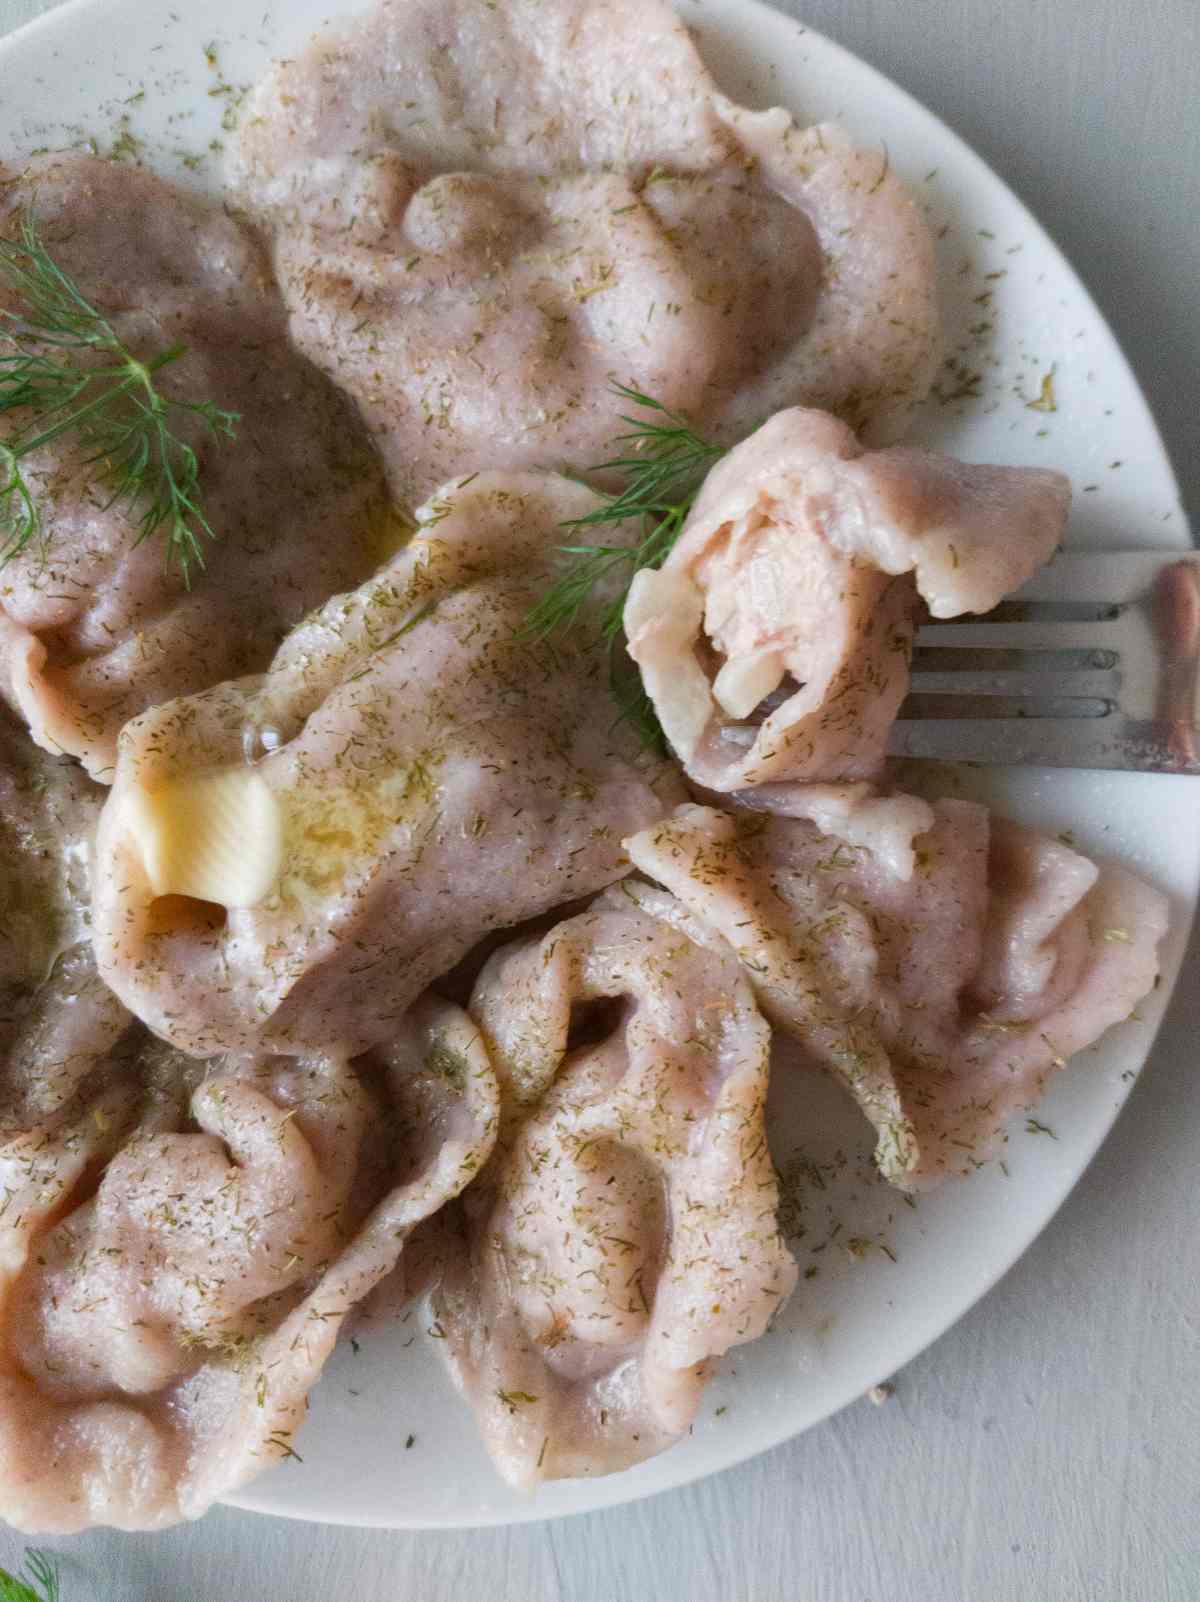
165 1318
287 863
774 641
944 998
476 267
624 1234
96 623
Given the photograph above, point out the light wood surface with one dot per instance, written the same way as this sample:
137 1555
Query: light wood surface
1048 1448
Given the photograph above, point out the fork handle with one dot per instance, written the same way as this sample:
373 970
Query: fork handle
1177 605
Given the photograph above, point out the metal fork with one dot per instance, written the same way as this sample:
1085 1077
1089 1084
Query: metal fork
1094 664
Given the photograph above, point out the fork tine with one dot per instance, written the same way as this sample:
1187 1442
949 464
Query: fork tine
982 680
1029 609
1001 708
1110 743
934 658
1017 633
1093 665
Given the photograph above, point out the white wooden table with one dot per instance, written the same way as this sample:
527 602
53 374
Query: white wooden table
1048 1448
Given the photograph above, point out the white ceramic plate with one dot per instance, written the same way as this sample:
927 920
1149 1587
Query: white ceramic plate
137 75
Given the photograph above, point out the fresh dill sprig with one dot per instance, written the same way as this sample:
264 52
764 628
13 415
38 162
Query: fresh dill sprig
108 400
634 706
41 1585
663 462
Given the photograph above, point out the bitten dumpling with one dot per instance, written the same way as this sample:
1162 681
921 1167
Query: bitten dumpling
774 641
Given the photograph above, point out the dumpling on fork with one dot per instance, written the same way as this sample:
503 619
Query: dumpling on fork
774 641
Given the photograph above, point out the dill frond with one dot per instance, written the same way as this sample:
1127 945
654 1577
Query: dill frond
109 402
41 1584
663 462
634 706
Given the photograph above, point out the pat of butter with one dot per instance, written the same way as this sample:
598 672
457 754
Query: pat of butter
217 837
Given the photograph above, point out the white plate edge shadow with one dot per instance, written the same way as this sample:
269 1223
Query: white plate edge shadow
592 1495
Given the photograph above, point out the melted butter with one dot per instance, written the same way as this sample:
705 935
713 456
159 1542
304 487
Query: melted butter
331 830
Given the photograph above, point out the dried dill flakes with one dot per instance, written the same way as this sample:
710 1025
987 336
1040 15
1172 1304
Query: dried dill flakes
446 1064
1033 1127
796 1182
1046 400
884 169
281 1441
514 1399
410 1442
857 1248
842 856
964 383
125 146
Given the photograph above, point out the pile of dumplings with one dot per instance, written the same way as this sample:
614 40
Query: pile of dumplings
334 900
